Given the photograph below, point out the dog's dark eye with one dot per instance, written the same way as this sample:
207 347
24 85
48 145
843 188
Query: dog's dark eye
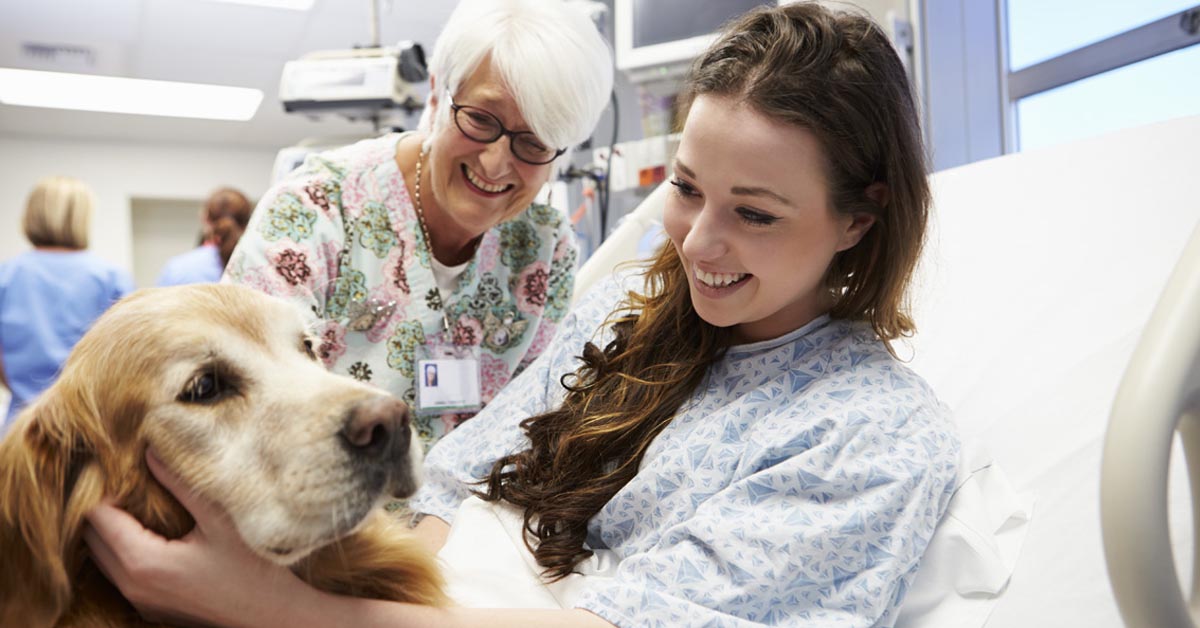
308 348
204 388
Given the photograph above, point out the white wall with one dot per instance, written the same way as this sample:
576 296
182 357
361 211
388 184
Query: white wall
879 8
118 173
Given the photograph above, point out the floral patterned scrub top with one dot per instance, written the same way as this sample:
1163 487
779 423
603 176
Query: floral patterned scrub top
799 486
339 237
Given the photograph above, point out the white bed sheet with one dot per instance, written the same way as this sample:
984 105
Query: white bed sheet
487 565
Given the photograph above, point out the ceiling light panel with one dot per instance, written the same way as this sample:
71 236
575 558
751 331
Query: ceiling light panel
112 94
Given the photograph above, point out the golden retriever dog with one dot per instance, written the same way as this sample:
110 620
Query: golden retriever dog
222 382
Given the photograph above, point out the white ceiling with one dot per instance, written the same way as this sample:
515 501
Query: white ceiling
195 41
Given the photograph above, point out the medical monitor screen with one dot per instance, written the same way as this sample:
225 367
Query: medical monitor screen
657 39
664 21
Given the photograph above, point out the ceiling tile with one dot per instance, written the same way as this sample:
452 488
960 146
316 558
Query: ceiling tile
71 20
205 26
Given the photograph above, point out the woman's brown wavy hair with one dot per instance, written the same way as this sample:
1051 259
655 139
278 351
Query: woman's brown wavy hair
833 73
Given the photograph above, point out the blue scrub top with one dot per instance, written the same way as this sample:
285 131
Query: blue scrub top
48 299
199 265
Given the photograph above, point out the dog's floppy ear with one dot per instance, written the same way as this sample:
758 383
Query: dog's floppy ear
47 485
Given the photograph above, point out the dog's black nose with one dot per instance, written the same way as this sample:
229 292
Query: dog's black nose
372 425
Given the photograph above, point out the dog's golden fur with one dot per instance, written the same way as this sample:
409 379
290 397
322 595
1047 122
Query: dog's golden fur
268 447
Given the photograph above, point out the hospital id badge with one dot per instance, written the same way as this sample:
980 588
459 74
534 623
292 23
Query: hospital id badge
447 379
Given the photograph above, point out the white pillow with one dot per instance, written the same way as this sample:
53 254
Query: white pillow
973 553
634 238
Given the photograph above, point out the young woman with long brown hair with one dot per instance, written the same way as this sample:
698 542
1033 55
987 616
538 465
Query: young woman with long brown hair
732 425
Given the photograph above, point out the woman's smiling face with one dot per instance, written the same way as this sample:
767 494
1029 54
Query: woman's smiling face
475 185
750 218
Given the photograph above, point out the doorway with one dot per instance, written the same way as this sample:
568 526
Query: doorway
162 229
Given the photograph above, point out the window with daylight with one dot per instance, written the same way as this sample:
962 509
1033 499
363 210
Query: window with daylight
1012 75
1080 68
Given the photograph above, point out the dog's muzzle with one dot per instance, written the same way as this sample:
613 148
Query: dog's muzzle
377 435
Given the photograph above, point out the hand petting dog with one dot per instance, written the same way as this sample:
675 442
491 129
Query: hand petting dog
214 543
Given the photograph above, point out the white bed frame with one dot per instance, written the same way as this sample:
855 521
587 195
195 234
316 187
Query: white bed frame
1159 395
1039 276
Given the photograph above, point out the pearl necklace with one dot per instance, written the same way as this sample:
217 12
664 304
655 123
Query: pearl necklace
428 240
421 210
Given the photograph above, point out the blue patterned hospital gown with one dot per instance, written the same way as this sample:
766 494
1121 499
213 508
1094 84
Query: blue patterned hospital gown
798 487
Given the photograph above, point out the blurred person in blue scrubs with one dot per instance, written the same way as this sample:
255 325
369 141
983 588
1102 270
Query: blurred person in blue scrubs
224 218
51 295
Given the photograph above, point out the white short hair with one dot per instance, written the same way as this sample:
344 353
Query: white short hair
549 54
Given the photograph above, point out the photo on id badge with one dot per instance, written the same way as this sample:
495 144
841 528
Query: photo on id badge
431 374
447 383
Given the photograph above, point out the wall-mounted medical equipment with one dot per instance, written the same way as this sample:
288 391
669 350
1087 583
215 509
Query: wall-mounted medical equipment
358 84
640 163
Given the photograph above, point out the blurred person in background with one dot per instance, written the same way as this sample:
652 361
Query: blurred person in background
224 218
51 295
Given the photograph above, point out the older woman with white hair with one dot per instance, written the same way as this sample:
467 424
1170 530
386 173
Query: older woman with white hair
427 247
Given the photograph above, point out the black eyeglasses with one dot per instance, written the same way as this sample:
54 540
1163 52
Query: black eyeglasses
483 126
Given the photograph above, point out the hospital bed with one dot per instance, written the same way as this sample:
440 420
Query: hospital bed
1040 274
